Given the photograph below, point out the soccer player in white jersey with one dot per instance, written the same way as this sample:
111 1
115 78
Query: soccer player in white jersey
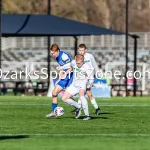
82 76
90 61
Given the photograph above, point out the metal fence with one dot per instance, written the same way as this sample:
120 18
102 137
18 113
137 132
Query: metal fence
92 42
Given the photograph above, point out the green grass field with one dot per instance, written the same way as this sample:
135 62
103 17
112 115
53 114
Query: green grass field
124 124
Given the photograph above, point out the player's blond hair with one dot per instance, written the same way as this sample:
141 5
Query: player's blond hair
79 57
54 47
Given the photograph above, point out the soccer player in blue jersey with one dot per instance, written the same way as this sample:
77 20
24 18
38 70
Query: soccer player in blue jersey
64 61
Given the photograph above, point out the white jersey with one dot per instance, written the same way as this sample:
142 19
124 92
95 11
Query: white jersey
81 75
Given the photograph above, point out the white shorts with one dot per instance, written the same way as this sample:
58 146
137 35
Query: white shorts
88 85
74 89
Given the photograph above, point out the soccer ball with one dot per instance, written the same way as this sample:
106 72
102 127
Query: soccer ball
59 111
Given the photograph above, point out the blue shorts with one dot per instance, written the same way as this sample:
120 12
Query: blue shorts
66 82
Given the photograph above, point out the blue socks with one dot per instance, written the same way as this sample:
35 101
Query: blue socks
53 106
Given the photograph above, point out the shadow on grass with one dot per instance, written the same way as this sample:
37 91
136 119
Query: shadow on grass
107 113
99 117
61 118
81 117
95 117
7 137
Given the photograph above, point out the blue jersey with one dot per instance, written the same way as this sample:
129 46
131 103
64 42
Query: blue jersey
63 58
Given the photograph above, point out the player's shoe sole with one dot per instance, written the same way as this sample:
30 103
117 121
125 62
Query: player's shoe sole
87 118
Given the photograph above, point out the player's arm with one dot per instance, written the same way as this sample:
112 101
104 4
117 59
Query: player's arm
63 75
69 71
95 66
90 74
67 64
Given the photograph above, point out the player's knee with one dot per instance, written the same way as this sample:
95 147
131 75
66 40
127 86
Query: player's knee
82 98
54 94
64 98
89 94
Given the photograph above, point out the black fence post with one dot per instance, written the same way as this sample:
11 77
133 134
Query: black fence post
135 37
48 46
126 22
75 45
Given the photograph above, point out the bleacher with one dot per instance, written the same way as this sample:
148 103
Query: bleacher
31 52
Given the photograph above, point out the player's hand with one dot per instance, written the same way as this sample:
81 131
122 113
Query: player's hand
62 75
58 68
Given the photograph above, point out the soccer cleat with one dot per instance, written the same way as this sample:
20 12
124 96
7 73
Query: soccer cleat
78 113
97 111
51 115
87 118
74 111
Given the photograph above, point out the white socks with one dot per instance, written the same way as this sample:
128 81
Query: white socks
94 103
79 102
84 105
72 102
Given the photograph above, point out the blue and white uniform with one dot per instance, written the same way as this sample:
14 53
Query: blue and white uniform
64 60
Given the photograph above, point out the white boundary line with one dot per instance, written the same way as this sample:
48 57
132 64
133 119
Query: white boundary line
101 104
103 135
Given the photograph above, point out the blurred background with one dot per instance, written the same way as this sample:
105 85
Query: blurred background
109 50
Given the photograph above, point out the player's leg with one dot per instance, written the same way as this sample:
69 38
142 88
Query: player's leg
67 99
58 88
68 85
84 104
69 92
55 93
74 110
93 101
79 102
